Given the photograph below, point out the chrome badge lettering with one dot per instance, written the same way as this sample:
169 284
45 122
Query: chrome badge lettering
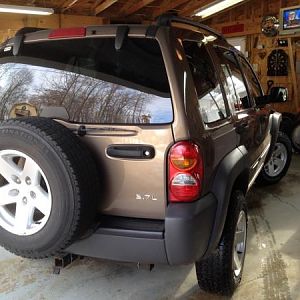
145 197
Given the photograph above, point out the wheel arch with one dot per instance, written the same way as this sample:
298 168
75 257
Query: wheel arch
275 120
232 174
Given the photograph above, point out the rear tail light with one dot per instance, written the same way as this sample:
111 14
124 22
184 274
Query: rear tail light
61 33
185 172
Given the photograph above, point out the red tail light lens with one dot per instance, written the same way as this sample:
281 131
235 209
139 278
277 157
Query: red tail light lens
185 172
61 33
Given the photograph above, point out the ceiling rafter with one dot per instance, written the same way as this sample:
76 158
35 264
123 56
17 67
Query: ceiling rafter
136 7
166 6
68 4
104 5
125 7
189 9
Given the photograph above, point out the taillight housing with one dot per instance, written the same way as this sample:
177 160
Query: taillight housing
185 172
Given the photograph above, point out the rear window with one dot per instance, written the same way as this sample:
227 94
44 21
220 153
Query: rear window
87 81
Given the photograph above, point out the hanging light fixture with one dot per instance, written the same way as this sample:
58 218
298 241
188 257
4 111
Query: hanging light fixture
28 10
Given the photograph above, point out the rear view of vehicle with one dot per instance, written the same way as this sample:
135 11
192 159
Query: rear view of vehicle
131 143
111 91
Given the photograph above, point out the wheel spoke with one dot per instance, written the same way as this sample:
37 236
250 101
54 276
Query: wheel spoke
42 201
237 263
271 167
5 197
279 163
31 172
26 188
8 168
239 236
23 217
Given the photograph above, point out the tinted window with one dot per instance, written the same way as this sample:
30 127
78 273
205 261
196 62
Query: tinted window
211 102
88 81
234 85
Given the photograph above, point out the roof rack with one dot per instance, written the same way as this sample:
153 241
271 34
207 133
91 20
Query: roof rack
25 30
166 19
18 40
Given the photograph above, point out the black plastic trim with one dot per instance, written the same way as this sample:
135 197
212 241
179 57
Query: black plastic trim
231 167
121 248
274 123
131 233
179 239
131 151
121 35
188 229
167 19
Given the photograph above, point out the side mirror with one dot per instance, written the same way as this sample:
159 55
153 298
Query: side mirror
278 94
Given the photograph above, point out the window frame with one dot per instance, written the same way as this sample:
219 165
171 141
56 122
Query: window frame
237 54
241 57
194 34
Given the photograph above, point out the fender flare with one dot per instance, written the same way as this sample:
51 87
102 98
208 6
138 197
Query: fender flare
230 168
274 125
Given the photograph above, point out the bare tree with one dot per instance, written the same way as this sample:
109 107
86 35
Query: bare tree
14 84
92 100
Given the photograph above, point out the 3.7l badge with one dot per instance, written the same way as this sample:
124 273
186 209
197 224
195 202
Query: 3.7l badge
145 197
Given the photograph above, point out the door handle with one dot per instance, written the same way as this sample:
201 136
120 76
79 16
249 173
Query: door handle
241 127
131 151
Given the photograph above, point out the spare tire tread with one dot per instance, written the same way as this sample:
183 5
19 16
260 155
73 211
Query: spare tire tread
80 167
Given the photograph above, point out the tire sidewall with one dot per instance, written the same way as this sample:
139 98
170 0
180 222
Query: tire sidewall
240 205
295 145
62 210
284 140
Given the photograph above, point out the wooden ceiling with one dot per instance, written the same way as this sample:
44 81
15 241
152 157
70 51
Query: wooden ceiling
118 10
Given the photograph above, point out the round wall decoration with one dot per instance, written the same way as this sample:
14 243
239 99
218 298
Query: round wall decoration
269 26
278 63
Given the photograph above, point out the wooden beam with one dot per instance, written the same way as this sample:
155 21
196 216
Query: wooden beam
136 7
293 71
125 7
189 9
166 6
68 4
104 5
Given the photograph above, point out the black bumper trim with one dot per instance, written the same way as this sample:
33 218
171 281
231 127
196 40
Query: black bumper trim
185 239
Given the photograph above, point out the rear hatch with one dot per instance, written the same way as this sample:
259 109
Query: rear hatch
118 100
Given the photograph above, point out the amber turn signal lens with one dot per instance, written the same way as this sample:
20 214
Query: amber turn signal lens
184 156
184 163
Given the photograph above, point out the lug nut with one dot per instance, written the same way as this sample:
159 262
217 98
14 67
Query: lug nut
16 179
28 180
24 200
13 192
32 195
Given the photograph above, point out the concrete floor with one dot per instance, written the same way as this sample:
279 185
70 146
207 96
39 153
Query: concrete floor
272 266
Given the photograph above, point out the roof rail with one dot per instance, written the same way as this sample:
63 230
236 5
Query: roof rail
166 19
18 40
25 30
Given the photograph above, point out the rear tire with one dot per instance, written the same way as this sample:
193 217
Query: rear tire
296 137
50 187
277 166
221 272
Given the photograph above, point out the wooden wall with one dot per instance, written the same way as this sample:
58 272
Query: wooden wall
259 46
10 23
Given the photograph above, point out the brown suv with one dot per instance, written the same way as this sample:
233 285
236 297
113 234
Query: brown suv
134 143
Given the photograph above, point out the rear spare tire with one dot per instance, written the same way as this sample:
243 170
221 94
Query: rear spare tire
48 187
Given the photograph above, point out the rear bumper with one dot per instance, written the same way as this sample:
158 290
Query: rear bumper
184 238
